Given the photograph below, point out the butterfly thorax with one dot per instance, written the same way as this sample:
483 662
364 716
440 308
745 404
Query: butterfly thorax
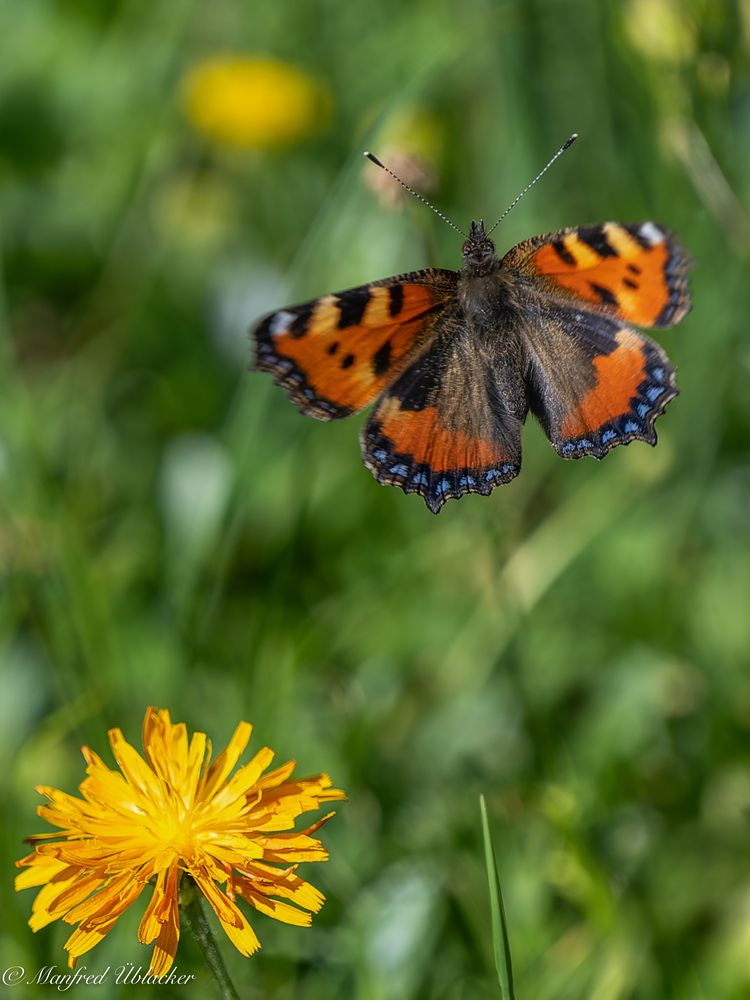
487 291
478 251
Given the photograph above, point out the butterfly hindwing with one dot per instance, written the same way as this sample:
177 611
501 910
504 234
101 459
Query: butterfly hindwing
637 273
335 354
443 428
593 382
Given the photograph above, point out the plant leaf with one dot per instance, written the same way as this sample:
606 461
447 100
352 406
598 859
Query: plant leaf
500 941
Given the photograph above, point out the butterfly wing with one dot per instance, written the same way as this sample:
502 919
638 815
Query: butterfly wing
335 354
637 273
451 423
594 382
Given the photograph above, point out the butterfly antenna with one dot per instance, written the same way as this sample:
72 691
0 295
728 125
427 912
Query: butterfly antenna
376 161
568 142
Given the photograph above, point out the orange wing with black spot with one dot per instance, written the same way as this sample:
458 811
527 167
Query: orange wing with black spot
637 273
335 354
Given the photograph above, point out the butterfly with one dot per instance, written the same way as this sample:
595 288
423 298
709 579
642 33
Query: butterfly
455 360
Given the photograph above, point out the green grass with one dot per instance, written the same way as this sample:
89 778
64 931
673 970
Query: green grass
500 935
576 647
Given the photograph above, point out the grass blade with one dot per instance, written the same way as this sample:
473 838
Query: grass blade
500 941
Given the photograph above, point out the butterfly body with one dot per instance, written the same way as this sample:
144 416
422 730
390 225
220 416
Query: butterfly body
456 359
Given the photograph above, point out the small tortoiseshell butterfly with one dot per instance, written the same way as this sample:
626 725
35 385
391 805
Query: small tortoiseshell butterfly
456 359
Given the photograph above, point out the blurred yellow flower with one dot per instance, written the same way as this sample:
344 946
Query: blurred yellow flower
169 816
254 101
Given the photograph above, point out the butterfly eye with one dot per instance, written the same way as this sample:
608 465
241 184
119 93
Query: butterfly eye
466 248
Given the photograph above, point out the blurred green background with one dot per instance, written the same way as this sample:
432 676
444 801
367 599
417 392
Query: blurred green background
174 533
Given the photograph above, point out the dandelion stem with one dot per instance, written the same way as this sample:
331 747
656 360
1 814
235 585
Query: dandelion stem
195 918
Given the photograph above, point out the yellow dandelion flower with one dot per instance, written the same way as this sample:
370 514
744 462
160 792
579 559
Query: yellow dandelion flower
172 815
254 101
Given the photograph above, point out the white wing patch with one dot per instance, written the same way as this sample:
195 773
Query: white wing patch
281 322
651 233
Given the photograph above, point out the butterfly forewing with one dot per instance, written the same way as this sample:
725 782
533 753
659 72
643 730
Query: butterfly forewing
335 354
636 272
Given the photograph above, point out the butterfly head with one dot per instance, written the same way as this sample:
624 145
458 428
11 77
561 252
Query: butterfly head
478 250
